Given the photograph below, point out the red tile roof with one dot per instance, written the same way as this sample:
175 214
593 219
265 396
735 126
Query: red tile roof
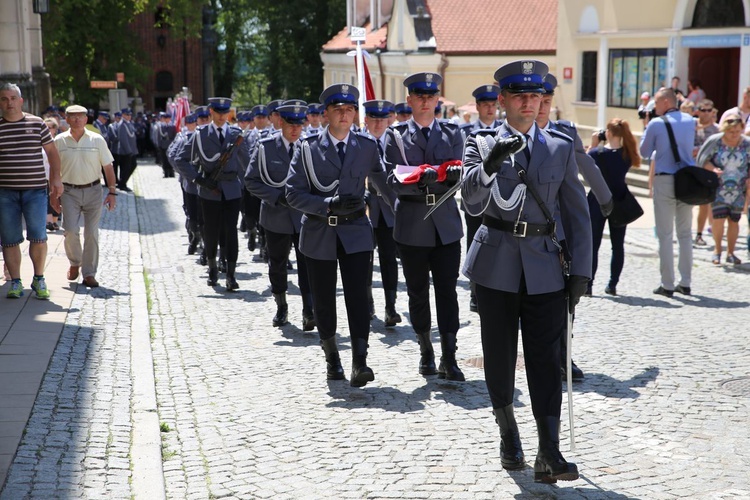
342 43
494 26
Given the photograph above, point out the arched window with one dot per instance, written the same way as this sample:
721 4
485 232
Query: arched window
718 13
164 81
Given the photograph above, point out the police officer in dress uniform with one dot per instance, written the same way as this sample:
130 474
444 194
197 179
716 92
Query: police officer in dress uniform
203 117
101 125
164 134
431 246
220 196
515 260
127 149
193 219
588 168
378 114
403 112
327 183
485 97
315 117
266 179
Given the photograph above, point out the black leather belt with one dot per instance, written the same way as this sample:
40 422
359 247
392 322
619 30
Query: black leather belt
335 220
427 199
519 229
81 186
663 173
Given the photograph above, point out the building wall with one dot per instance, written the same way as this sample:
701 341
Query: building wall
183 59
604 25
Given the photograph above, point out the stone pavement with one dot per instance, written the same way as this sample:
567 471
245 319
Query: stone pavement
244 410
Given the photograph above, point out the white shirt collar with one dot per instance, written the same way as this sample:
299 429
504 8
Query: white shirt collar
335 141
531 133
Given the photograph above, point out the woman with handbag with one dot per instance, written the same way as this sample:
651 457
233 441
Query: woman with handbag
727 154
614 160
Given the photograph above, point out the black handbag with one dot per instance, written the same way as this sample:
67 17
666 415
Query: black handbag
692 185
625 211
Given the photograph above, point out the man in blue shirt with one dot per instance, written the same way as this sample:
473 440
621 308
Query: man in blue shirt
669 212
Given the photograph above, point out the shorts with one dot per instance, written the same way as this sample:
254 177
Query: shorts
29 205
722 211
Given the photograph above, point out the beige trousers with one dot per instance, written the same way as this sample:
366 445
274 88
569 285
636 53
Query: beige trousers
86 204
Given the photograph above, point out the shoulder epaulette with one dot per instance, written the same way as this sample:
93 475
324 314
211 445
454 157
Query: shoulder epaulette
364 135
566 123
484 132
562 135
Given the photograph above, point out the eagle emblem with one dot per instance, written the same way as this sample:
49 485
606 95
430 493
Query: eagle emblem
527 67
345 89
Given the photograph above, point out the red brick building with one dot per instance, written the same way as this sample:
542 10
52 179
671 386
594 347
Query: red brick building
175 63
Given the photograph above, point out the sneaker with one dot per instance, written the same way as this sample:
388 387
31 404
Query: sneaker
699 241
40 288
731 259
16 289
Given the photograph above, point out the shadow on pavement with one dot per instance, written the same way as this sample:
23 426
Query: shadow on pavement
155 206
605 385
524 479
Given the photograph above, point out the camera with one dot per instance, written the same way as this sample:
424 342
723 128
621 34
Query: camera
602 135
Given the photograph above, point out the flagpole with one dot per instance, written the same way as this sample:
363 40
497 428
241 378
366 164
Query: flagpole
359 35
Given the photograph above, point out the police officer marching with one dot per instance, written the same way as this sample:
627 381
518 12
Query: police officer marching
327 183
378 114
164 133
515 260
431 246
127 149
266 178
315 117
403 112
193 220
215 158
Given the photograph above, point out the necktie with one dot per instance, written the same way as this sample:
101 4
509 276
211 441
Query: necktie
221 135
426 133
526 151
291 150
380 150
340 146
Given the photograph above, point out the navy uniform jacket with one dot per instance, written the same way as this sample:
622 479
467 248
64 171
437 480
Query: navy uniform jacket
586 164
468 128
497 259
201 153
172 151
112 134
376 204
270 162
318 240
126 140
165 134
104 130
446 144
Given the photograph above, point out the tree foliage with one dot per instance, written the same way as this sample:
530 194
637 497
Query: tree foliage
88 40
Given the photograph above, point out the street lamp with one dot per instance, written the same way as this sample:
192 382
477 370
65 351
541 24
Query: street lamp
41 6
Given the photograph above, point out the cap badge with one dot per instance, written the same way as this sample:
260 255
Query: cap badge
489 88
428 79
380 106
297 109
527 68
345 89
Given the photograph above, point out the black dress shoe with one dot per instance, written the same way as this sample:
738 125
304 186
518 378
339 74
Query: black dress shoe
473 304
213 277
610 290
663 291
575 372
308 322
684 290
222 266
361 374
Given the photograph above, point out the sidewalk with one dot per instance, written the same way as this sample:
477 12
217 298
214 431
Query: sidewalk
231 407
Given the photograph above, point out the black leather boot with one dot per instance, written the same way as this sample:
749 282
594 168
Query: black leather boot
426 354
550 466
473 307
232 284
511 453
203 260
392 318
213 273
334 370
251 235
222 265
361 373
370 301
281 309
308 319
448 368
194 238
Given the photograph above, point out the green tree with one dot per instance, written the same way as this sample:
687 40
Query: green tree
88 40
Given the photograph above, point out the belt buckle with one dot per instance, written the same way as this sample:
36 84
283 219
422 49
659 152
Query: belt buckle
333 220
519 229
430 200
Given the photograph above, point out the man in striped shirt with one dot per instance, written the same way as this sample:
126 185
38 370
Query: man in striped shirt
23 188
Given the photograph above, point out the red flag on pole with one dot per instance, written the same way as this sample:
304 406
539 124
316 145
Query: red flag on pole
369 89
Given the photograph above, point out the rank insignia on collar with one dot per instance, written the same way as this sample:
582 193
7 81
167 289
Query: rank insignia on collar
527 67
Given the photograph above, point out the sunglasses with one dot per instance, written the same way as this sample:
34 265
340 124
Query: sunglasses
703 110
733 121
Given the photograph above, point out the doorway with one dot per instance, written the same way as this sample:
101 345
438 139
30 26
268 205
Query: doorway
718 71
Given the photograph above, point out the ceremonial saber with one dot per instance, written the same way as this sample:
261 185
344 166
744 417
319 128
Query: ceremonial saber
569 377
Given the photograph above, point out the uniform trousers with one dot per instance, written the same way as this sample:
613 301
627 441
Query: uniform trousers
543 320
127 167
220 220
386 256
442 261
323 277
279 245
250 209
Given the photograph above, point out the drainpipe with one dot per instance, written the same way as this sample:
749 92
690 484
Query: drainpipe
441 70
378 53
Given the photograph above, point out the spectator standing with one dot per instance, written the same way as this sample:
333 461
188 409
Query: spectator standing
669 212
695 93
614 160
705 128
83 155
727 153
23 188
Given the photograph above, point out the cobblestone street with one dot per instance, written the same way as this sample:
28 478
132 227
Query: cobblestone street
244 409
